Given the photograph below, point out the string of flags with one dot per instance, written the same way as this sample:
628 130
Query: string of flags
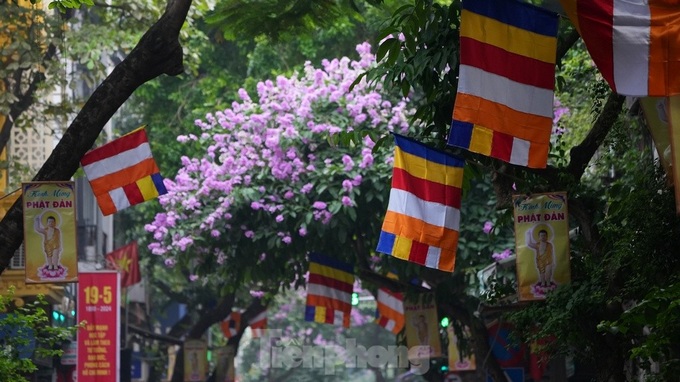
329 290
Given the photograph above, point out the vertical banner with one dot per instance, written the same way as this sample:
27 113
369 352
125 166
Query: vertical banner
195 357
50 232
422 328
99 339
673 112
457 360
541 243
225 371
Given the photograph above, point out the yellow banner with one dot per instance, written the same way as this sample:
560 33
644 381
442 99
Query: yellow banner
541 243
195 361
50 232
674 120
422 328
458 361
224 370
657 123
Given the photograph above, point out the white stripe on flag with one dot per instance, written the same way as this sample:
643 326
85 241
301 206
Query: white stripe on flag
338 317
405 203
521 97
631 40
324 291
390 325
390 301
258 318
432 258
520 151
120 200
117 162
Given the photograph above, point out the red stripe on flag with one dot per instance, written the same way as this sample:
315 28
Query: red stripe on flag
133 193
499 61
115 147
596 21
418 252
330 282
425 189
501 146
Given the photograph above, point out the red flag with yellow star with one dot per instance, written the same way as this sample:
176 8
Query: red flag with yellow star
126 261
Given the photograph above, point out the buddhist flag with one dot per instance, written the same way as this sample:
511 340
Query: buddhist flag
258 324
504 103
126 261
390 310
123 173
423 214
633 43
329 290
231 325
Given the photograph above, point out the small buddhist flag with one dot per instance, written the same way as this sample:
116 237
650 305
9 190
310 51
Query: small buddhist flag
231 325
633 43
258 324
504 103
123 173
329 290
423 214
390 310
126 261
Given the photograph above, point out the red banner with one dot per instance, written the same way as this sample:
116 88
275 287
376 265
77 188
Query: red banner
99 339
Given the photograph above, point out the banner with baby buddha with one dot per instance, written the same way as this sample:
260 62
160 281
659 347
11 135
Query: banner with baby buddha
50 232
541 243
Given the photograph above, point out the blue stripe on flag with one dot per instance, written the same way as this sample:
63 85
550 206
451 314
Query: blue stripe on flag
331 262
515 13
460 134
158 182
310 313
431 154
386 242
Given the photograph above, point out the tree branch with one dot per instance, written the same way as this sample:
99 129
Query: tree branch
158 52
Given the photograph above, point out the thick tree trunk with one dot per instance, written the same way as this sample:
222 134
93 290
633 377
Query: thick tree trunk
158 52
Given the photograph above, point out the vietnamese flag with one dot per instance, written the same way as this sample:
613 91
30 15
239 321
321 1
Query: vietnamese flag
126 261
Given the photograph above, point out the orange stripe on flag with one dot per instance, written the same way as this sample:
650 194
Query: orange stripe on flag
124 177
501 118
315 300
664 51
416 229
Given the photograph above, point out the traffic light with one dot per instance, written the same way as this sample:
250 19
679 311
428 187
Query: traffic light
355 299
58 316
444 322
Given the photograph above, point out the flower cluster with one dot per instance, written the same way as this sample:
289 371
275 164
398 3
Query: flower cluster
272 167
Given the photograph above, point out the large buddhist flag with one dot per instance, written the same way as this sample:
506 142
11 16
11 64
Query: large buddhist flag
329 290
423 214
231 325
503 107
258 324
126 261
633 43
390 310
123 173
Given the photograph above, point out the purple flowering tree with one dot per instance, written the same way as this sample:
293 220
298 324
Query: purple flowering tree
290 170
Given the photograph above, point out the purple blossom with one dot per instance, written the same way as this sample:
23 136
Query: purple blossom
488 226
302 231
193 278
249 234
347 185
257 293
306 188
319 205
287 239
288 195
347 201
503 255
169 262
279 218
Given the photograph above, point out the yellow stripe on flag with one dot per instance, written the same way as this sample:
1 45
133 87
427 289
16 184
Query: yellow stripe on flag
320 314
147 188
331 272
508 37
424 169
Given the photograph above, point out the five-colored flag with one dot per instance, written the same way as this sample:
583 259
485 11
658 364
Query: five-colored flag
329 290
126 261
504 103
123 173
390 310
423 214
633 43
258 324
231 325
